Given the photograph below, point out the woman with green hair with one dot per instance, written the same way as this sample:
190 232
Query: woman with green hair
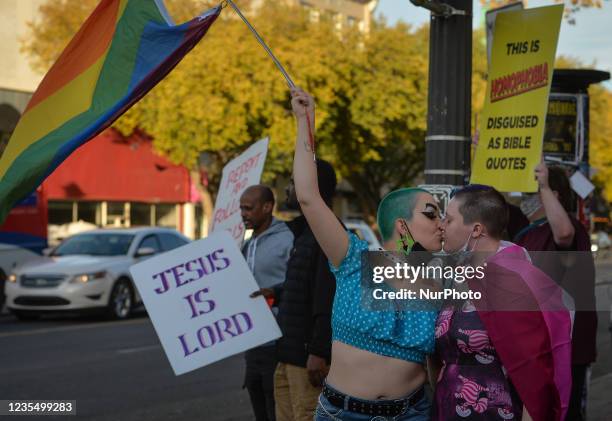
377 368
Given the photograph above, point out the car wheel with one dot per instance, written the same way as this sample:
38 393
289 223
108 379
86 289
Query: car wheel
121 300
25 315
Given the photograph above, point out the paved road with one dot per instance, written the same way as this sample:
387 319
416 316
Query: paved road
115 371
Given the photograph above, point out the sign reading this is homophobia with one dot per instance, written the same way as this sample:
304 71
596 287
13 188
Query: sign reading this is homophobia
197 297
240 173
514 113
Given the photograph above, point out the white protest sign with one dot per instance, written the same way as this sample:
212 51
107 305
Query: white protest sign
240 173
581 184
197 297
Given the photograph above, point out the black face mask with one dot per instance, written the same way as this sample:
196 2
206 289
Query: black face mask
418 254
417 247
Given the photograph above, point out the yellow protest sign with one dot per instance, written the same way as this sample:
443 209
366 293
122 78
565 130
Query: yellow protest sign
514 113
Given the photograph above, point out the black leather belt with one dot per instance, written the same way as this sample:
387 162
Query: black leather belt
379 408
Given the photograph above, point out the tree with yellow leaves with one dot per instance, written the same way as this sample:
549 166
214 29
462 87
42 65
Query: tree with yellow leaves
571 6
371 93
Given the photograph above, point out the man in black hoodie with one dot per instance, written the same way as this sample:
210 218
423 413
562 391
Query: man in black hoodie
304 351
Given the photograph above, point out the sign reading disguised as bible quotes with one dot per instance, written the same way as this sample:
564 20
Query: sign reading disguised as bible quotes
514 113
197 297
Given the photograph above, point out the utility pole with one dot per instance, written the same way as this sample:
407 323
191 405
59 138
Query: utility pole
448 140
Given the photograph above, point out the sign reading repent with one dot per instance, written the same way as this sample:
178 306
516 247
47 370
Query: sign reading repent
241 172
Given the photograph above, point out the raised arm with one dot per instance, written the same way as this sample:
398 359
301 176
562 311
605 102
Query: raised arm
560 223
328 231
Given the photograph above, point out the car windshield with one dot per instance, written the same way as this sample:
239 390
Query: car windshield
101 244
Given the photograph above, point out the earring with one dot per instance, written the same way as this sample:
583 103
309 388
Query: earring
405 243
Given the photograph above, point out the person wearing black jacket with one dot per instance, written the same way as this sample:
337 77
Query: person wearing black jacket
304 350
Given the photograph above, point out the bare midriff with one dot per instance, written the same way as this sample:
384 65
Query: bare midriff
365 375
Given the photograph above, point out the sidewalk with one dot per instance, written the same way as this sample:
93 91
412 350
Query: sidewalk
600 392
603 269
600 399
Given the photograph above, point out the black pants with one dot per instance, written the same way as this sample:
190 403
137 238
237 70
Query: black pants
259 381
575 412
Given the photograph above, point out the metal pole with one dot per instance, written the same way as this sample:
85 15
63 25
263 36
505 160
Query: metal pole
263 44
448 140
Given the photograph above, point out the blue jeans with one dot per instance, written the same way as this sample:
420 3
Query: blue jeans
326 411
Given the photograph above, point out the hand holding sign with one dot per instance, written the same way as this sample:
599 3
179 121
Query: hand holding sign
541 175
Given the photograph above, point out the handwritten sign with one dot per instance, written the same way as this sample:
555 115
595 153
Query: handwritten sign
197 297
240 173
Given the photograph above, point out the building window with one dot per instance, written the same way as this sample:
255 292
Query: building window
327 16
88 212
9 116
166 215
115 214
199 221
337 19
314 15
140 214
60 212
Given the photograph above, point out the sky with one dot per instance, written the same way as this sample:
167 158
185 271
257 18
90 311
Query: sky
589 40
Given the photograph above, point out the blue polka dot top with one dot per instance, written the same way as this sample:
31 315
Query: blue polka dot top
406 335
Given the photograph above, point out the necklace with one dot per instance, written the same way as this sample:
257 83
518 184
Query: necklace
399 312
392 257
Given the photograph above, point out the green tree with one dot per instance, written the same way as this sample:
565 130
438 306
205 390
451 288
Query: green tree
378 116
571 6
370 91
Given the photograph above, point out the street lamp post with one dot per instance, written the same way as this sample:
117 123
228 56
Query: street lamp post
448 140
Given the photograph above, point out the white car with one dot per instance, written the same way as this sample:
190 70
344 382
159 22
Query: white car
88 271
363 231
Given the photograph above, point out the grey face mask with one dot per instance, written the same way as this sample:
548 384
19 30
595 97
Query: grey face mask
530 204
464 254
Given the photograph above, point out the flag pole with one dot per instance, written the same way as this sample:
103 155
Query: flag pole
263 44
280 67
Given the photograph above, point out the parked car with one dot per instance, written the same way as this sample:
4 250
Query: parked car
363 231
88 271
600 244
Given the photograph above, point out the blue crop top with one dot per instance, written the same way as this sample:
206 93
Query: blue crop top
406 335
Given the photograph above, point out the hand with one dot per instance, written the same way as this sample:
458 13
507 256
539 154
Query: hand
541 175
317 370
266 292
302 103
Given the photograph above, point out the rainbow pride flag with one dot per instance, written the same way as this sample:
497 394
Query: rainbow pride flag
122 51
